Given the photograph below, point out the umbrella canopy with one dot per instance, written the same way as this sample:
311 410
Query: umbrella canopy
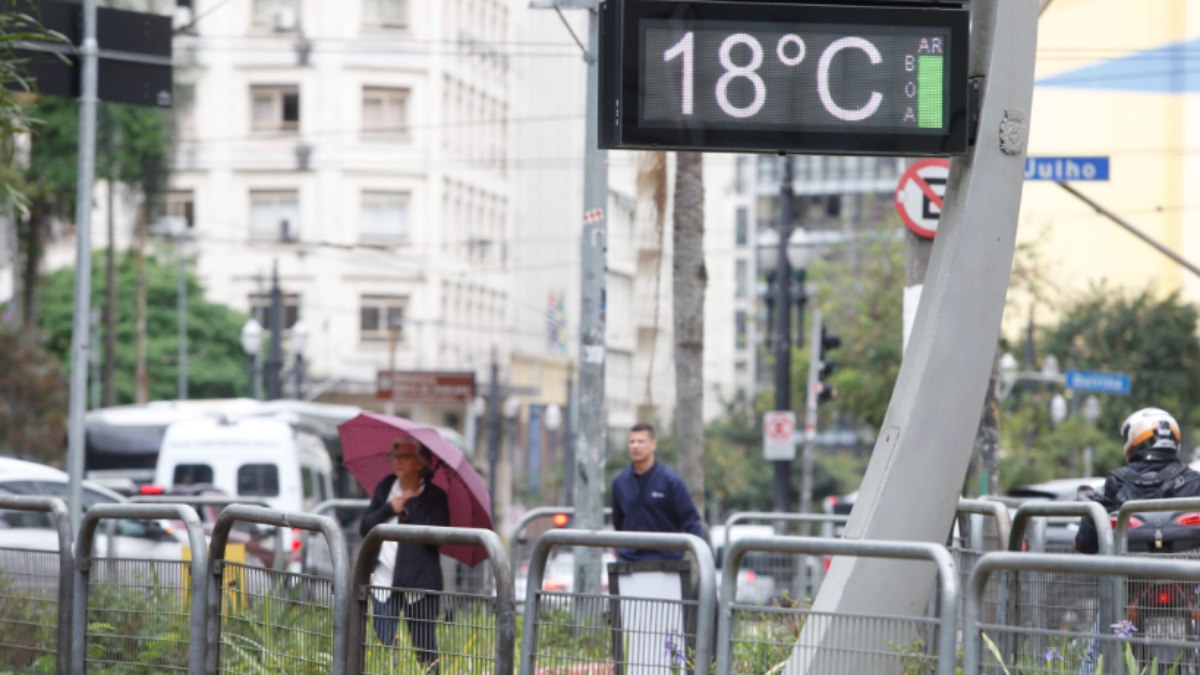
366 440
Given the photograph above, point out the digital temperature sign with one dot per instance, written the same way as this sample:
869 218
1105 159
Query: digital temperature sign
775 77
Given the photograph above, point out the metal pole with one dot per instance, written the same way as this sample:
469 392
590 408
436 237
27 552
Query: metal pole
80 346
783 331
590 443
183 320
94 359
810 410
493 430
275 359
299 375
571 425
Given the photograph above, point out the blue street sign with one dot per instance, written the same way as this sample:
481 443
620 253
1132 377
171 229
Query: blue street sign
1098 382
1063 169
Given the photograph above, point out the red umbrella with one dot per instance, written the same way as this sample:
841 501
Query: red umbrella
366 440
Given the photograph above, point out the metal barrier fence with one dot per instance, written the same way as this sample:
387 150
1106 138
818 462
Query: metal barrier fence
577 632
265 619
762 639
275 551
1043 599
35 588
775 576
1168 637
143 614
475 634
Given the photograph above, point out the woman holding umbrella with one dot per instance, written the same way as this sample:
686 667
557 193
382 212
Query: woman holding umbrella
408 496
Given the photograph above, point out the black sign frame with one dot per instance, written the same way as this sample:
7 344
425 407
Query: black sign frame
620 31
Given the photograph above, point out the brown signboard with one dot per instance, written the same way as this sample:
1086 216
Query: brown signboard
407 386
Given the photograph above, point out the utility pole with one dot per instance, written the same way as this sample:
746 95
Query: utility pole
590 443
275 357
590 447
80 345
782 491
493 431
183 319
572 424
141 376
811 398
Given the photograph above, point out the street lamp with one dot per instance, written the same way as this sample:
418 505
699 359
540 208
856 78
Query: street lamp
780 254
1091 413
299 341
1058 409
252 333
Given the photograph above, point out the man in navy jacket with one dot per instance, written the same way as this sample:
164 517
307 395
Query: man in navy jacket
648 496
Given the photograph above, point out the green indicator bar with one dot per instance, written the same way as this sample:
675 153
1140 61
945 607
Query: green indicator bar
929 91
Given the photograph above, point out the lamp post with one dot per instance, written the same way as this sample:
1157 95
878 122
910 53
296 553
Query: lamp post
1058 409
1091 413
252 333
299 341
553 421
780 254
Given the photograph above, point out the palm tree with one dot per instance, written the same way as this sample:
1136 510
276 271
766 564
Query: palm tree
689 280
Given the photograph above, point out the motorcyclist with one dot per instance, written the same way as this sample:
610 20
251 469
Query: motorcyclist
1152 471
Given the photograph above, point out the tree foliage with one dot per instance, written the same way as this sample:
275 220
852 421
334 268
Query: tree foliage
33 397
1151 337
215 357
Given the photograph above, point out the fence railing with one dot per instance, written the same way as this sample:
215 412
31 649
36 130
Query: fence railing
260 599
263 612
494 614
27 585
1104 638
154 629
701 613
947 593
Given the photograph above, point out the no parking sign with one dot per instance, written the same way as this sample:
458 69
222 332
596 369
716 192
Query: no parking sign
779 431
920 194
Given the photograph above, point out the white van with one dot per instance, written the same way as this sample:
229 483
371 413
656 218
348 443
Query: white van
267 459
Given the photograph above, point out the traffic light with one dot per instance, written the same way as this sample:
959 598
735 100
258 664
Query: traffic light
561 519
829 342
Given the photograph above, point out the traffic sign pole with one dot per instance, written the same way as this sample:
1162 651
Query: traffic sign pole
80 339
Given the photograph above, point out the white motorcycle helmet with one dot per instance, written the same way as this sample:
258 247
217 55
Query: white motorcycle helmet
1152 433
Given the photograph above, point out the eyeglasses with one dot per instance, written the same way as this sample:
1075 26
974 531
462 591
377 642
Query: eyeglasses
392 454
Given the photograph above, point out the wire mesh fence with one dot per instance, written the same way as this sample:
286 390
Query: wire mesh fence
29 597
601 633
272 620
138 615
420 631
797 640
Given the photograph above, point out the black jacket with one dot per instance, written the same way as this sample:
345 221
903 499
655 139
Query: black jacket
1118 489
416 565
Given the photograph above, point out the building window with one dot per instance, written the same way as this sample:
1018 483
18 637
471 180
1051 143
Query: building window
741 283
275 108
181 204
383 215
741 225
385 13
278 15
275 214
260 308
385 109
379 315
741 338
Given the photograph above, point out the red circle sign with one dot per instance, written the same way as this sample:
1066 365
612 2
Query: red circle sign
920 194
780 426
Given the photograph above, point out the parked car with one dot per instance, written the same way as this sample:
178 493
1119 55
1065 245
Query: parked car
143 539
1060 531
559 577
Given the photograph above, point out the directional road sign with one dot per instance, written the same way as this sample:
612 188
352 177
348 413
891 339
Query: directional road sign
1062 169
920 193
779 430
1098 381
